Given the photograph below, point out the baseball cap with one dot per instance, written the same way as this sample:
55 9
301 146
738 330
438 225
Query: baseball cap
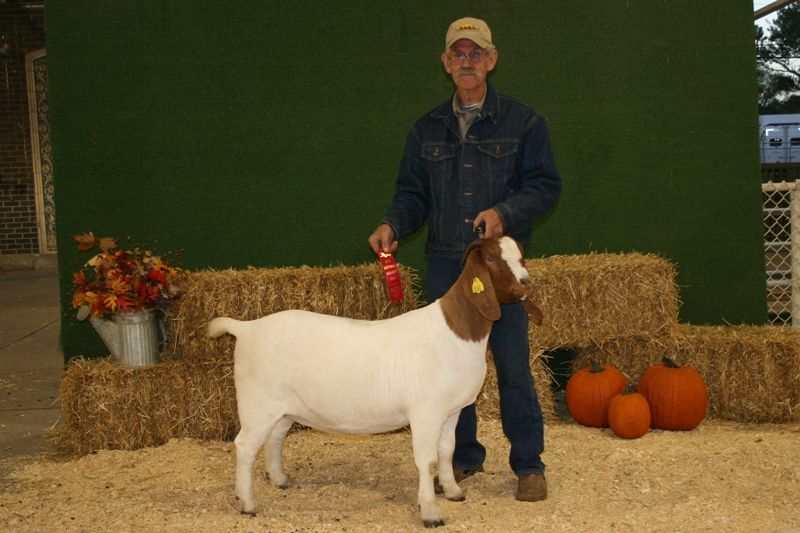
470 28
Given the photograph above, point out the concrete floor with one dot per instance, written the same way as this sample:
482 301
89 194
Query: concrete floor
31 362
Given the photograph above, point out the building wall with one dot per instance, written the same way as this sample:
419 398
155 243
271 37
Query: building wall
21 31
271 136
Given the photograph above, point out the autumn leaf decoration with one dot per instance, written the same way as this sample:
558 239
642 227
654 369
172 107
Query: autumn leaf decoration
116 280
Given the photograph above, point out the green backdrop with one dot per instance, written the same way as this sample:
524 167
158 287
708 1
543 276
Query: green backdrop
269 133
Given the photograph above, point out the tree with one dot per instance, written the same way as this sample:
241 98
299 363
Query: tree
778 63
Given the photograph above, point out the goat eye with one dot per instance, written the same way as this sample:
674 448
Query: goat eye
491 259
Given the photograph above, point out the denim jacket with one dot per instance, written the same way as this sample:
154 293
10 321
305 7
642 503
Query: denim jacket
504 162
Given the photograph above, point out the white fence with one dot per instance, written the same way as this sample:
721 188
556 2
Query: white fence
781 202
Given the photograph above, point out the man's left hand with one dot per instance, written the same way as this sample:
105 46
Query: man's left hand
492 221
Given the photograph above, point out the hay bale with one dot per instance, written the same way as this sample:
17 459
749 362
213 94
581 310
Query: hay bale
752 372
488 402
587 299
105 406
349 291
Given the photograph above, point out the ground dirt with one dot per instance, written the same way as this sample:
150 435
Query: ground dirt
718 477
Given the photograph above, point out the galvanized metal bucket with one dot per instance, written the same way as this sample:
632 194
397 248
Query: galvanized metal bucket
132 338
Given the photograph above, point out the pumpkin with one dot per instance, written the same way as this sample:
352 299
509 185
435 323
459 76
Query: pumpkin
677 395
629 415
589 390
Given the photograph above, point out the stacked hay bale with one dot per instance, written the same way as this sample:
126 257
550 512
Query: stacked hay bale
106 406
617 308
191 393
595 297
622 309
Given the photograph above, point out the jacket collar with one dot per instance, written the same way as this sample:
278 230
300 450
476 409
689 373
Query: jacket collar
445 110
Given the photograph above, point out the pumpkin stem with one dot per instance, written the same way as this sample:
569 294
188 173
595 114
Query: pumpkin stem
596 367
630 388
669 363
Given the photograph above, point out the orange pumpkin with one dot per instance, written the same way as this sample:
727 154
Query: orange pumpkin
677 395
589 391
629 415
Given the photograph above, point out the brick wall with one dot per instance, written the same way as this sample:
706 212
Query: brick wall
21 32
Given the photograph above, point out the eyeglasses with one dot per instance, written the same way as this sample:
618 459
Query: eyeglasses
460 57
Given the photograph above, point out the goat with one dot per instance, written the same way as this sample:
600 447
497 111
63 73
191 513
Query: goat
349 376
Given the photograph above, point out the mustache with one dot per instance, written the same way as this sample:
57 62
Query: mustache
468 71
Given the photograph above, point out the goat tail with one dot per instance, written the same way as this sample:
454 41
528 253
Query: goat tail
222 325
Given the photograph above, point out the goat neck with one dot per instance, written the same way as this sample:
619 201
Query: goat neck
461 316
470 306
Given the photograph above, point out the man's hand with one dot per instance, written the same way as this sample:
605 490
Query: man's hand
383 238
493 222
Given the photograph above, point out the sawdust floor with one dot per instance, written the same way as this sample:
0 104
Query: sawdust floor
719 477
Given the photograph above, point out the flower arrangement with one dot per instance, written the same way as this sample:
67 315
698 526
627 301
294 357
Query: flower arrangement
116 280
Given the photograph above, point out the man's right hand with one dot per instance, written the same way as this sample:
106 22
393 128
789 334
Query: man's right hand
383 238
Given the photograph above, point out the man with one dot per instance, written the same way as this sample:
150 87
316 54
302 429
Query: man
479 165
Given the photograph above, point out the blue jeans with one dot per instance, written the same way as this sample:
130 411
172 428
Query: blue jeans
519 405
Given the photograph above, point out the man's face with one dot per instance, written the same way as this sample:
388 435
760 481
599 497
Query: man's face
468 64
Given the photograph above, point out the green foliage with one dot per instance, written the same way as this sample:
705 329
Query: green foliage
777 54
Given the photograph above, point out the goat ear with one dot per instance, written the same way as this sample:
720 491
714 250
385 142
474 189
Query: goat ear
533 310
477 286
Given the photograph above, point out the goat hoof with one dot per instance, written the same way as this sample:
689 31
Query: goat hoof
460 498
284 484
251 514
433 523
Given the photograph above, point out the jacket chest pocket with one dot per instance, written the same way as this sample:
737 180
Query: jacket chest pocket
435 153
498 161
439 161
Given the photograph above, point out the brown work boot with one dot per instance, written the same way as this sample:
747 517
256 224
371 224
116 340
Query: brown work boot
459 474
531 488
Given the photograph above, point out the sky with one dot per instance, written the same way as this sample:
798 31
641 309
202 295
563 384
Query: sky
764 22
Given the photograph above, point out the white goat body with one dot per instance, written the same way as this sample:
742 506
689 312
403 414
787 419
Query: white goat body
341 375
353 376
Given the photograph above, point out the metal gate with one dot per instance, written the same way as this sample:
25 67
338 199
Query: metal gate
781 201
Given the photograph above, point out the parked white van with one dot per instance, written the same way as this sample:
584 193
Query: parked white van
780 138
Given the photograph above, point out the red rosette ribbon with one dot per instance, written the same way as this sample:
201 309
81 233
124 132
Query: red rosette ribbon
392 275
